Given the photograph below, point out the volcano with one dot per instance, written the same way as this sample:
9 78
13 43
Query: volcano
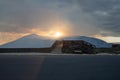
30 41
36 41
94 41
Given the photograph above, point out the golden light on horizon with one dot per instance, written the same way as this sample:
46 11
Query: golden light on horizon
109 39
53 29
58 34
49 33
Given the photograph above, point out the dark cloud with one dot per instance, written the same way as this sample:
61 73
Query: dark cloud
87 17
106 13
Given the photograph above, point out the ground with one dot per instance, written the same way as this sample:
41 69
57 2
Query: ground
59 67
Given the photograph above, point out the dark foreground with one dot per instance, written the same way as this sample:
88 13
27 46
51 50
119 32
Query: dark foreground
60 67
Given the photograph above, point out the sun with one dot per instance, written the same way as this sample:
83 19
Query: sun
58 34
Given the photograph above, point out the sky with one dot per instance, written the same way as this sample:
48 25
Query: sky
96 18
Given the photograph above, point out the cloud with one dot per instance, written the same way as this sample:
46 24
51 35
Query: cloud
106 13
23 15
85 17
81 22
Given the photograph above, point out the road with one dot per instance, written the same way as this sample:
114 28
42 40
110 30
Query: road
59 67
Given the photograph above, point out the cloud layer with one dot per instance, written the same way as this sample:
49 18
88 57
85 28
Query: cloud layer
106 13
82 17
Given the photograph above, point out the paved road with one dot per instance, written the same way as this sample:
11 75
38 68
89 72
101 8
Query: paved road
60 67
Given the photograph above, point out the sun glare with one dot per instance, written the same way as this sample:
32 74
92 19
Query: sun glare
57 34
